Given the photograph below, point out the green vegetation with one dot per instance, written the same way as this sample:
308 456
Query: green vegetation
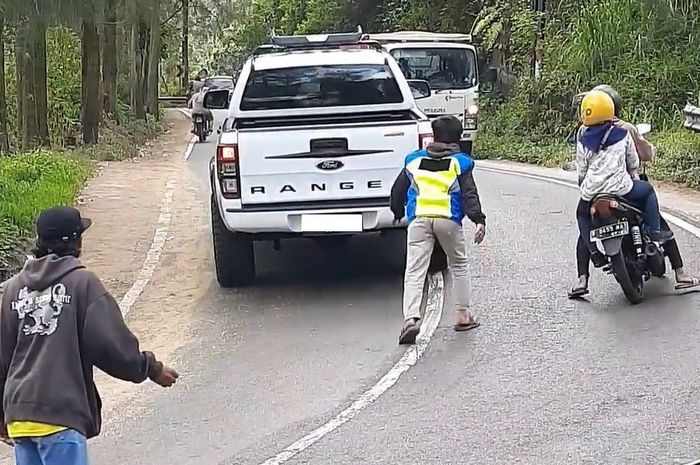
647 50
30 183
79 81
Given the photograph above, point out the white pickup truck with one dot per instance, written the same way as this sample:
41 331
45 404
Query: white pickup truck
317 131
449 63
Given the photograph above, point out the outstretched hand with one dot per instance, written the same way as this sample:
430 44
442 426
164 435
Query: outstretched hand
480 233
166 377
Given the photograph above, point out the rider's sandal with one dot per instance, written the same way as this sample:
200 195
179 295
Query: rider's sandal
578 292
694 282
461 327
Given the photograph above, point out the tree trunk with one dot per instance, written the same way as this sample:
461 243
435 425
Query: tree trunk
19 78
29 130
4 138
154 60
91 102
109 63
136 73
38 32
185 43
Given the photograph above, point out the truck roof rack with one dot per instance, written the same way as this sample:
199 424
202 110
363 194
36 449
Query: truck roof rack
420 36
357 39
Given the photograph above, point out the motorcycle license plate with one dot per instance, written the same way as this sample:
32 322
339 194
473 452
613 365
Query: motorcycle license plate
610 231
199 119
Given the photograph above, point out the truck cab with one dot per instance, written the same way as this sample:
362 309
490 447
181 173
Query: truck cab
448 62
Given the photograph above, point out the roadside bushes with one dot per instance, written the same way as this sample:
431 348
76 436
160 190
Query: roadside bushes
30 183
649 51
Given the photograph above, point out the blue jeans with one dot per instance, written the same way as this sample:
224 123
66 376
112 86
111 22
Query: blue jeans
65 448
641 196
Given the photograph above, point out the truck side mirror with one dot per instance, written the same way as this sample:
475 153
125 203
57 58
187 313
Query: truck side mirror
419 88
217 99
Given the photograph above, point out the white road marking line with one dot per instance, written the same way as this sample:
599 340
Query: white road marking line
190 148
681 223
151 261
433 315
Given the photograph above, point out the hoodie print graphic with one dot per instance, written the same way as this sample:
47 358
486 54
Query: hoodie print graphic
42 307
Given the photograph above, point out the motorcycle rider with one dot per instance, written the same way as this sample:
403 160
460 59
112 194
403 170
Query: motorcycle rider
605 154
646 152
196 104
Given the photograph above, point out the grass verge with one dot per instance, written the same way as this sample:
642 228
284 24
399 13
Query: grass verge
29 183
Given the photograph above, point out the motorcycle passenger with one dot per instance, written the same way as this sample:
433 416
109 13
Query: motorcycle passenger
646 152
197 106
604 154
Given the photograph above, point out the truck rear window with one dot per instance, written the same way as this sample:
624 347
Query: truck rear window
320 86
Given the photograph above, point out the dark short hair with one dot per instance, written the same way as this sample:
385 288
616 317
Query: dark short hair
447 129
60 248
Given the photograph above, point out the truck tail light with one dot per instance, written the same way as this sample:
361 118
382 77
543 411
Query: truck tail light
228 171
424 140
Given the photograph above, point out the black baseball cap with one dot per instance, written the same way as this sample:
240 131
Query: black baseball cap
61 224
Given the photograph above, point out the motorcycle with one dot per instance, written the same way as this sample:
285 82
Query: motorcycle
200 127
619 234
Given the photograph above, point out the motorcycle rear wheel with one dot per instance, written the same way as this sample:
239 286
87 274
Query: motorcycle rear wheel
633 291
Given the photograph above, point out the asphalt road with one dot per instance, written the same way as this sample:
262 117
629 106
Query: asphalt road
543 381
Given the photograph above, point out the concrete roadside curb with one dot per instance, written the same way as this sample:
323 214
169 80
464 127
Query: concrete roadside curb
681 202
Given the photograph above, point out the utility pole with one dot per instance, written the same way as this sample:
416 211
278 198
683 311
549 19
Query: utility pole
185 43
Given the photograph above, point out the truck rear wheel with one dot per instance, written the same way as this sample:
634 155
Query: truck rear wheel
397 240
234 257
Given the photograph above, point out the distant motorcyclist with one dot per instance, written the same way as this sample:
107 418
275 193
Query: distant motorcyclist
646 153
196 104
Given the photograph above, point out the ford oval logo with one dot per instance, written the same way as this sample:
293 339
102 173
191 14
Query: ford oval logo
329 165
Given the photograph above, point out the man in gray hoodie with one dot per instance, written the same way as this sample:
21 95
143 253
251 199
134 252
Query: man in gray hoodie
58 322
435 191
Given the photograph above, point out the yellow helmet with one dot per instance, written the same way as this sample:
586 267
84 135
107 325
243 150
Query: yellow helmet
597 107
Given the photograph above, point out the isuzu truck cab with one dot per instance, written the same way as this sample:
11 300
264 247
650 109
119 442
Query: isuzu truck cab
449 63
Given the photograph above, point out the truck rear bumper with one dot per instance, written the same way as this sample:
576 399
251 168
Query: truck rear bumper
289 222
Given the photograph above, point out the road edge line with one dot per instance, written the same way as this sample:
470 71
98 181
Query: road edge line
433 315
668 214
190 148
154 252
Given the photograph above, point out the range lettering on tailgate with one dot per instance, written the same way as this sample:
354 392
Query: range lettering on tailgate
322 187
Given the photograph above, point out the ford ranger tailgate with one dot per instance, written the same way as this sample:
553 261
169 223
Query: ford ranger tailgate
325 162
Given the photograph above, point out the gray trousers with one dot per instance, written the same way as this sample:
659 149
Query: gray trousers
422 233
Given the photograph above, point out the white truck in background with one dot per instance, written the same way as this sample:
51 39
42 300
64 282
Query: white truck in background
316 132
449 63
